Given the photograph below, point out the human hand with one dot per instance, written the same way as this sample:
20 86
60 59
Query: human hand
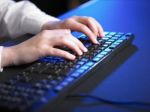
86 25
43 44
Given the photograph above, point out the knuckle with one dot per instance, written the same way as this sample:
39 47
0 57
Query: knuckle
83 27
64 54
43 49
41 46
63 39
60 53
52 52
44 33
68 20
80 43
67 31
89 19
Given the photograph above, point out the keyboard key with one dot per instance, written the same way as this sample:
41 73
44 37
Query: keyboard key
58 88
96 59
106 33
89 64
84 60
88 45
120 33
108 50
64 83
80 70
105 45
109 36
53 82
116 43
85 67
108 42
77 66
82 36
99 56
111 40
119 41
123 38
80 62
112 33
102 48
105 38
113 46
118 36
103 53
75 74
129 34
69 79
115 38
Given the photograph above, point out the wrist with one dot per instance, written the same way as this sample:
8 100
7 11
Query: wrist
7 57
52 25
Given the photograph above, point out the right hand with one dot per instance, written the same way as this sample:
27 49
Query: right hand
87 25
43 44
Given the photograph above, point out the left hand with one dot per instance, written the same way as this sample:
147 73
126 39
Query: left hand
87 25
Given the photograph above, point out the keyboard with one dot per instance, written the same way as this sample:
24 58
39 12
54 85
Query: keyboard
44 83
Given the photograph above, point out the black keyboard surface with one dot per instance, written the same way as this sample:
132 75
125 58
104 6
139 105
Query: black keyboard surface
50 78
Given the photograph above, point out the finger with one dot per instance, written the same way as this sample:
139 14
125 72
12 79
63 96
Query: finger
59 32
89 22
62 53
74 25
93 24
68 42
100 29
80 44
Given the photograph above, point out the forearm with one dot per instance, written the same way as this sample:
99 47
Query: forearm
1 50
7 57
19 18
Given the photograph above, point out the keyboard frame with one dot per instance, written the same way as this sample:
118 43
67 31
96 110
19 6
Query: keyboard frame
56 100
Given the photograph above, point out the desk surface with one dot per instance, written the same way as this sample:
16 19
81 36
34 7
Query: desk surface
131 79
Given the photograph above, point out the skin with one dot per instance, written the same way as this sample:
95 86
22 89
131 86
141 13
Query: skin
53 34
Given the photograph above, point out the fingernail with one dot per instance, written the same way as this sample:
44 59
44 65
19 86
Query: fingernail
85 49
98 35
96 42
73 57
101 35
80 53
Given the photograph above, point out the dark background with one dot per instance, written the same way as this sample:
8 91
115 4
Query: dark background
57 7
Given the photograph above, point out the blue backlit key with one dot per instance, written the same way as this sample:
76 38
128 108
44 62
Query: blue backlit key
90 64
96 59
113 46
103 53
107 50
75 74
99 56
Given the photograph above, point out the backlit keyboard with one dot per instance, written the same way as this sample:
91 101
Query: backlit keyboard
48 80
